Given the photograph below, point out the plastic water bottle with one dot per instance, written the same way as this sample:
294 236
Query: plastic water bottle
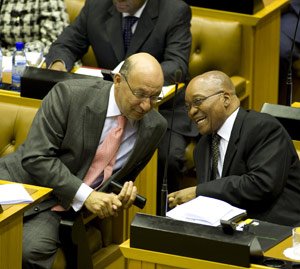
1 57
18 66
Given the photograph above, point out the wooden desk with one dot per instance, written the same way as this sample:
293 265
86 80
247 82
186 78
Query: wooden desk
146 259
11 226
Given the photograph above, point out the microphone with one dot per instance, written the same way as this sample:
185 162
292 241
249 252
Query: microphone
164 188
289 82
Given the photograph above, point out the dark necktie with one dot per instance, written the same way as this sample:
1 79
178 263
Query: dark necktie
127 32
215 155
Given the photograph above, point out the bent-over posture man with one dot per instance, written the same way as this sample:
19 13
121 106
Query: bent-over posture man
61 148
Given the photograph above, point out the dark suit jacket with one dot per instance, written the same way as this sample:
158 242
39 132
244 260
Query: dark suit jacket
163 31
64 137
289 21
261 171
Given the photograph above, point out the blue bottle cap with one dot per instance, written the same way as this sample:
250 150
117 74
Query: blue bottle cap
19 45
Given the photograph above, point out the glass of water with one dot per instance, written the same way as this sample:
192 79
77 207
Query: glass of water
34 52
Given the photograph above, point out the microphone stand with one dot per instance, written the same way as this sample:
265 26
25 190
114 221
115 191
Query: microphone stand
164 189
289 81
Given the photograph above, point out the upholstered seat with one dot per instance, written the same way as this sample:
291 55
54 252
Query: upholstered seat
217 45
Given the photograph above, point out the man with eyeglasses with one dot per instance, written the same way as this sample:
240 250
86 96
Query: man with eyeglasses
258 168
74 119
162 29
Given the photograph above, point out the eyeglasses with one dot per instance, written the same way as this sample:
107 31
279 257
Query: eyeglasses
197 102
141 96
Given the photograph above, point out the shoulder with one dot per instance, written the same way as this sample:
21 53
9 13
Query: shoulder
79 90
257 124
171 6
154 119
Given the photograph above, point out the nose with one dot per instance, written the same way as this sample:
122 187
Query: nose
193 110
146 104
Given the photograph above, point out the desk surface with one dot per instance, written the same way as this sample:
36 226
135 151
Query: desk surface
37 193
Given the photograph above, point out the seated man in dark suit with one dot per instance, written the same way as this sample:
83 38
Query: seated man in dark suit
73 122
162 29
256 166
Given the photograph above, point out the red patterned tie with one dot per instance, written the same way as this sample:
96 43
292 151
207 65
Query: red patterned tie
106 154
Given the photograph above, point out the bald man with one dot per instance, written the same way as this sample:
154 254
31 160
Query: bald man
258 167
72 122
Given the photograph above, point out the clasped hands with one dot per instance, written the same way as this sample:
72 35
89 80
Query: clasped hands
108 204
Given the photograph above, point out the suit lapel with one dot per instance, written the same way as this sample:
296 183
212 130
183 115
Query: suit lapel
94 119
114 31
234 138
144 27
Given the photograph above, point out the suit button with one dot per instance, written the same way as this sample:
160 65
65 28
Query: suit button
36 209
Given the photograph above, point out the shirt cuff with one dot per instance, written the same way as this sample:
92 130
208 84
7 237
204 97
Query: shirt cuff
81 195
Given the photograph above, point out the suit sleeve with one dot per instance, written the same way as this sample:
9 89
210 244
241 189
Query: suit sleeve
259 170
73 43
41 157
178 45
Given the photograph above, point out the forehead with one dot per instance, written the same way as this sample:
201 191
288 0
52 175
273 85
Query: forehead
203 87
145 82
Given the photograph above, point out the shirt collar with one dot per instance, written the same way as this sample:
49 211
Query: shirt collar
112 109
226 128
138 13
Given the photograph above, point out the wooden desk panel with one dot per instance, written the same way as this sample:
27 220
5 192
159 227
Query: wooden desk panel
146 259
11 226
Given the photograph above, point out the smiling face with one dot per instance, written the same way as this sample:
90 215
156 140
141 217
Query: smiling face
128 6
137 86
210 99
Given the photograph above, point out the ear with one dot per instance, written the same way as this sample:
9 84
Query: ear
117 78
226 99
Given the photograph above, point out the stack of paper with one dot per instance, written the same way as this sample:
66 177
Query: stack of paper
14 194
205 210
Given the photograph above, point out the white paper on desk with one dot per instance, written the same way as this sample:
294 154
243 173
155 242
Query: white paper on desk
89 71
14 194
204 210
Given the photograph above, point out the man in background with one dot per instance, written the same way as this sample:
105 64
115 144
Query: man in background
61 149
158 27
245 158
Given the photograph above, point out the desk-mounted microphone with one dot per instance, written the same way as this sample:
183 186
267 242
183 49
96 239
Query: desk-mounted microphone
164 188
289 80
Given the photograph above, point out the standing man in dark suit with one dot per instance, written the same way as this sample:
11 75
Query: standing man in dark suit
74 119
162 29
287 32
258 168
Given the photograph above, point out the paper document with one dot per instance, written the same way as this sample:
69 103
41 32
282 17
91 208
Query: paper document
204 210
14 194
89 71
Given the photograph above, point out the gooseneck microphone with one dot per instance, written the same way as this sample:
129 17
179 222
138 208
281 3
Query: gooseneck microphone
289 80
164 188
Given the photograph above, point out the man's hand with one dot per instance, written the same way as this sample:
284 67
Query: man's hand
59 66
103 204
182 196
128 194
